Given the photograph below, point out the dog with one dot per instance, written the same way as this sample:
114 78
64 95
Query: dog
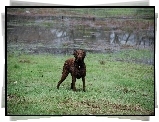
76 67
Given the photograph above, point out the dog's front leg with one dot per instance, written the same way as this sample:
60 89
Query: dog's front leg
83 79
73 83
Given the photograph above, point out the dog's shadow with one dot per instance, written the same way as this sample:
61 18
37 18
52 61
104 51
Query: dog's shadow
77 89
68 88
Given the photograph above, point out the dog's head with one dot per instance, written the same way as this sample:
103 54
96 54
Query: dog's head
79 55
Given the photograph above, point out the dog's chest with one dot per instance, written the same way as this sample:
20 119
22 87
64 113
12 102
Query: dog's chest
79 72
79 68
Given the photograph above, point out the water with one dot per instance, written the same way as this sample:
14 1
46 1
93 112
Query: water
61 35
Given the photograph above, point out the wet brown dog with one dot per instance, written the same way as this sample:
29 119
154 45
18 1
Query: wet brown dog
76 67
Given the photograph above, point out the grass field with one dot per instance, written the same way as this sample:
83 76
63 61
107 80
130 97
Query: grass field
113 87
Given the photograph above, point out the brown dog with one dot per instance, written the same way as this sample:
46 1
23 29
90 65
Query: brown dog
76 67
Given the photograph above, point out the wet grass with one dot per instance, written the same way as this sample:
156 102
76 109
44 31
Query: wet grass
112 87
144 56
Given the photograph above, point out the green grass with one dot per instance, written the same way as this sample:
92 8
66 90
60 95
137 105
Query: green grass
112 87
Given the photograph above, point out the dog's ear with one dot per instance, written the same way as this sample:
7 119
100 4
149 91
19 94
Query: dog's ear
74 52
84 53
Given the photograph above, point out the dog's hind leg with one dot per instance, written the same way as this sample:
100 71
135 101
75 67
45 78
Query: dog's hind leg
64 75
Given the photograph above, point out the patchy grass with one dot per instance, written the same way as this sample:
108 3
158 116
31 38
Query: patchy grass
112 87
133 56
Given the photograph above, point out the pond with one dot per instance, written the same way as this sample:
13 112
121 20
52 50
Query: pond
63 34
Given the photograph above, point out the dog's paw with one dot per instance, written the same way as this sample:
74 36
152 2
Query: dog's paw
74 89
